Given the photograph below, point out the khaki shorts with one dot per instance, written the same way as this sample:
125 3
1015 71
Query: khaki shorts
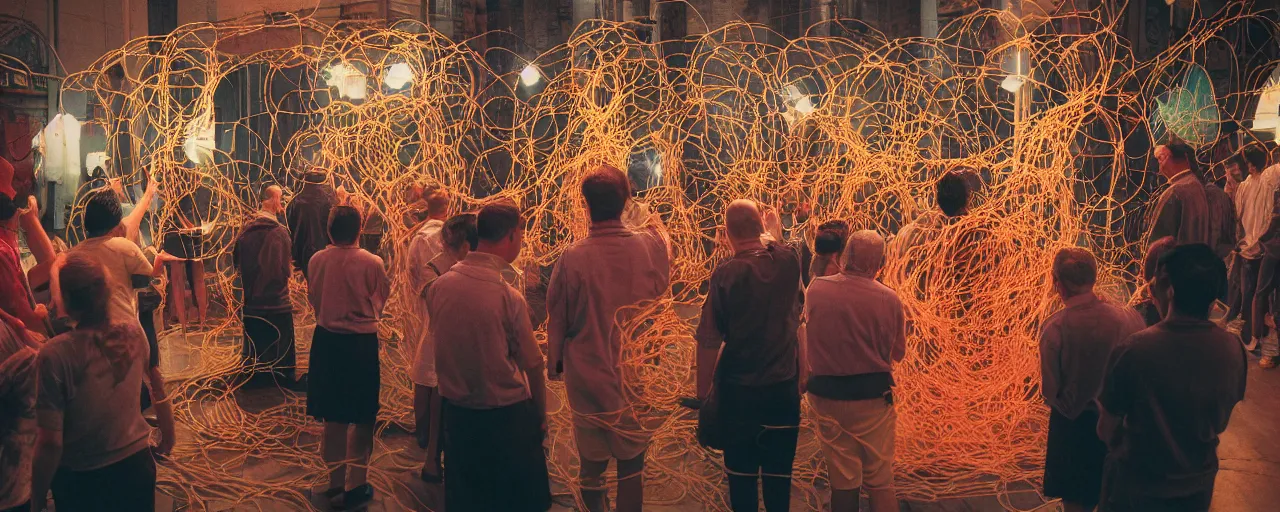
612 436
857 440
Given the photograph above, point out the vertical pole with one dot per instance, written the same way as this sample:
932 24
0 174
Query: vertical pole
929 18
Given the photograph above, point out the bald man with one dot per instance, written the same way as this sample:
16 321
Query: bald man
262 256
623 262
752 310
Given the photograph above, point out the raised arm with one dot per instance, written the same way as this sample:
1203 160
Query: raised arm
133 222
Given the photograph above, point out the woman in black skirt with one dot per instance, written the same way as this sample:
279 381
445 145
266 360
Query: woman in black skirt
348 287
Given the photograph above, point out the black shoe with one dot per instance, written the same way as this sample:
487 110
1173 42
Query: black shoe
357 498
430 478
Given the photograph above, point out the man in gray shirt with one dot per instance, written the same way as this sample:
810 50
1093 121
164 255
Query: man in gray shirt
1075 345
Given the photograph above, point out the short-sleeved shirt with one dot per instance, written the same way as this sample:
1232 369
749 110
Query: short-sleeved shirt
614 268
1174 385
348 288
483 335
89 382
15 296
17 417
855 326
122 260
752 307
425 247
1075 346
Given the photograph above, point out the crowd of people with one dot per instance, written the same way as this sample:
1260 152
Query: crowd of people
1138 394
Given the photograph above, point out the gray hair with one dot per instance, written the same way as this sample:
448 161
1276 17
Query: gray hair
863 253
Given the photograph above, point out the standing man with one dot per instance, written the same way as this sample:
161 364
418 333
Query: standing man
261 256
1183 209
621 263
490 373
1170 392
308 217
15 294
752 312
856 332
426 246
1268 271
1075 345
1254 201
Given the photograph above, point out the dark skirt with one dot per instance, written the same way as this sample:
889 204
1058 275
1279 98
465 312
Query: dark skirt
268 346
496 460
344 378
126 486
1074 459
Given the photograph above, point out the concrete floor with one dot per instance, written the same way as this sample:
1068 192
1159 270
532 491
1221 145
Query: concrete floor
1249 453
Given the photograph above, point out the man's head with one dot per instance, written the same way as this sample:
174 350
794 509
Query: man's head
501 230
8 211
606 191
6 176
953 194
1251 159
1189 279
864 253
344 225
829 241
272 199
83 285
102 214
437 199
460 234
1155 251
1074 272
743 222
1174 157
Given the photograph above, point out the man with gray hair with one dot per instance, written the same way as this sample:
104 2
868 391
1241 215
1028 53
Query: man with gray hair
1075 346
856 331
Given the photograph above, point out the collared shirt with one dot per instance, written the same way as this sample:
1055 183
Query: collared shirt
483 335
1183 212
855 326
262 255
1174 386
308 217
1253 208
348 288
17 417
589 303
424 249
122 260
752 307
1075 346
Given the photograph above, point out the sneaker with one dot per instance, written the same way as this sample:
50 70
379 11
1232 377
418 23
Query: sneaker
1267 362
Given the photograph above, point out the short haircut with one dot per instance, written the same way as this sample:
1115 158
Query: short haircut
266 194
1157 249
953 193
829 241
497 220
460 229
1197 276
864 254
8 207
742 220
606 190
1251 155
83 285
437 199
1075 269
1180 150
835 224
344 225
102 213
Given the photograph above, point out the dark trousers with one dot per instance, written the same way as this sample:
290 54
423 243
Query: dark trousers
1119 496
126 486
269 346
762 425
1234 302
1262 303
496 460
1248 276
147 317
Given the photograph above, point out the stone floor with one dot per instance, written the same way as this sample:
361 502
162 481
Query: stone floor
1250 455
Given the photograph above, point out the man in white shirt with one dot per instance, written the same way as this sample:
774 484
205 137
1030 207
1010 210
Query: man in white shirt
1254 200
426 246
623 262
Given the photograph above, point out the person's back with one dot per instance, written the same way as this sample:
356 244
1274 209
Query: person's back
1183 377
90 379
262 255
122 260
755 299
349 289
17 417
1183 210
308 218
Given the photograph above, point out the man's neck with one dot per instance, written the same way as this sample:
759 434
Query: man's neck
490 250
1178 316
440 217
746 245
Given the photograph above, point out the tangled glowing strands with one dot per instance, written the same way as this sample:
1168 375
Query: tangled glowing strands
859 128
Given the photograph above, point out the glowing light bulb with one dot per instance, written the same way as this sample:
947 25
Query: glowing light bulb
530 75
398 75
